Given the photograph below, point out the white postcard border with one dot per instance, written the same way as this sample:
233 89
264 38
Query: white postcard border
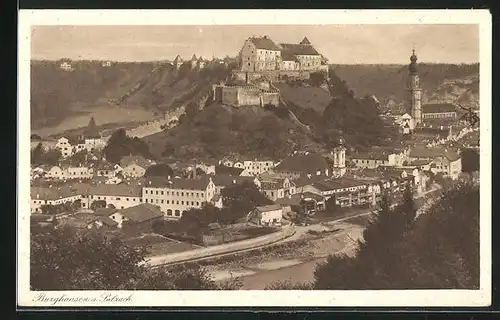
354 298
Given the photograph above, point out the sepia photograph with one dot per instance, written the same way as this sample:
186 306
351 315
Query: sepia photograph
247 157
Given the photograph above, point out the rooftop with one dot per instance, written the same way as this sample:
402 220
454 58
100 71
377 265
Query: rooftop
178 183
306 163
224 170
142 212
264 43
438 108
227 180
267 208
300 49
140 161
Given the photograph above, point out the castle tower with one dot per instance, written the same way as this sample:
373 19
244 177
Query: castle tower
414 97
339 168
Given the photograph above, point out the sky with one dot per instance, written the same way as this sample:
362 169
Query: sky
341 44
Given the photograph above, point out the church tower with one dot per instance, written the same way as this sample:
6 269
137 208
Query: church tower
414 98
339 168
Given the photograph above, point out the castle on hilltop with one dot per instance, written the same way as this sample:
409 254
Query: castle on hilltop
262 62
261 56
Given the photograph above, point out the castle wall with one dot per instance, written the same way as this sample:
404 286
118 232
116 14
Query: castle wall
249 97
272 98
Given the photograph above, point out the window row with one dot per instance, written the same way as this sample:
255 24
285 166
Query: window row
161 201
176 193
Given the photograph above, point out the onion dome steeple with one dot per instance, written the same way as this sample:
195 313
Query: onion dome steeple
413 63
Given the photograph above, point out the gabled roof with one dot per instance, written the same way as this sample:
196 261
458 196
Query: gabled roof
305 41
438 108
107 221
142 212
267 208
300 49
193 58
116 190
432 153
104 212
52 193
104 166
264 43
227 180
287 55
177 59
304 163
181 184
140 161
371 155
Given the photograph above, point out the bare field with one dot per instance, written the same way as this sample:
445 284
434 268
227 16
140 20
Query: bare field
104 114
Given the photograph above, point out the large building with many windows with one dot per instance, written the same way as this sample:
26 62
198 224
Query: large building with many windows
176 196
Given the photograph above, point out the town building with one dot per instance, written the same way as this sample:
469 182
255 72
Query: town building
297 165
443 161
255 167
66 64
222 181
278 188
262 55
270 215
52 195
176 196
135 166
178 62
439 111
194 61
66 172
118 196
138 216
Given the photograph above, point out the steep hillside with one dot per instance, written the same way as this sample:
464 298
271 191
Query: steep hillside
315 98
59 95
388 82
217 131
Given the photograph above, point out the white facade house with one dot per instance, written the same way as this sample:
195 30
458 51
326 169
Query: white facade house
270 215
51 196
175 196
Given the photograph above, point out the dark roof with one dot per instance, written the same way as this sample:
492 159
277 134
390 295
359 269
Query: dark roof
271 185
224 170
326 185
104 166
104 212
176 183
432 153
300 49
371 155
306 195
140 161
287 55
304 180
53 193
108 221
438 108
264 43
270 207
142 212
288 201
115 190
305 41
227 180
305 163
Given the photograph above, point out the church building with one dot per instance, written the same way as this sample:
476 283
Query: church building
417 114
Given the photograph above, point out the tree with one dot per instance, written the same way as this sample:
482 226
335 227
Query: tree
317 78
51 157
470 160
67 259
120 145
37 155
240 199
331 205
159 170
437 250
79 158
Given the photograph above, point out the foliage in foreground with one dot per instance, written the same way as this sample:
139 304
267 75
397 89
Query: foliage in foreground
62 259
438 250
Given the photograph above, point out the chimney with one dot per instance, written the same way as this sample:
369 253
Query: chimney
149 182
234 181
38 196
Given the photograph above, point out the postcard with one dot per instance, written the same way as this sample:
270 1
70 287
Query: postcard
256 158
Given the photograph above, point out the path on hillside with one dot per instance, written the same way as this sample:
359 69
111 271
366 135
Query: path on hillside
293 117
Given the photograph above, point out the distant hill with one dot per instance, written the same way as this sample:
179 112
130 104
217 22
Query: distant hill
388 82
57 94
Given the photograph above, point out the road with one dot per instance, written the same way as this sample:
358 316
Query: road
289 233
